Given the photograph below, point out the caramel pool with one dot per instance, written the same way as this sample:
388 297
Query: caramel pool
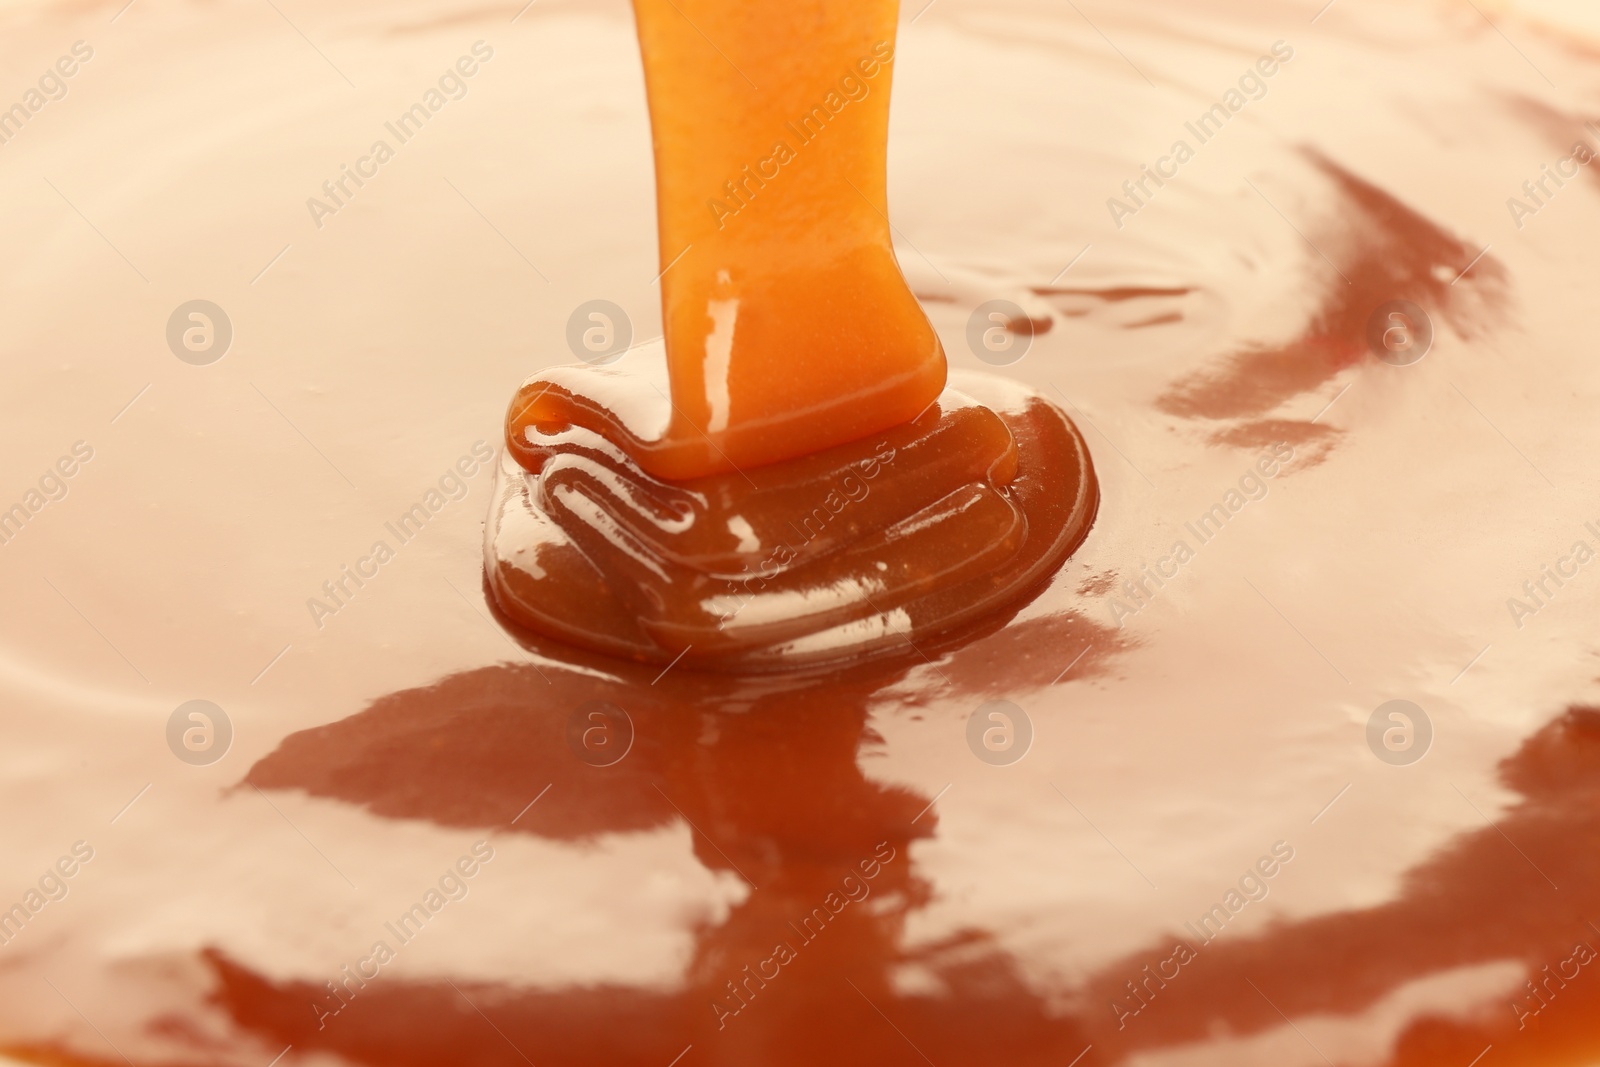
1293 763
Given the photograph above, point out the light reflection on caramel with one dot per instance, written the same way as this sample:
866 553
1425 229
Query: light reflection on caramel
779 798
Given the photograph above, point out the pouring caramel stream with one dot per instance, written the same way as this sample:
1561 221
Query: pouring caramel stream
738 513
789 327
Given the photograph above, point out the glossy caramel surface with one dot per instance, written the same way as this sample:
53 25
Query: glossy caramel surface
1179 736
802 381
788 325
865 548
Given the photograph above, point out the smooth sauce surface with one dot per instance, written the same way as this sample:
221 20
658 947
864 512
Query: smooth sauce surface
1182 729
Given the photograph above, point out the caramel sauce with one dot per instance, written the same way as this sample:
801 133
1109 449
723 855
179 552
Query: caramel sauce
851 551
789 327
1432 915
804 490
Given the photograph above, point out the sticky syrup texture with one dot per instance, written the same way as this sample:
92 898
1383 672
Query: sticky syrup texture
845 552
801 489
385 742
789 327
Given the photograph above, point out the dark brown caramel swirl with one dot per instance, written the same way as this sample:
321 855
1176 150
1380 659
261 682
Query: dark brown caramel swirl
859 548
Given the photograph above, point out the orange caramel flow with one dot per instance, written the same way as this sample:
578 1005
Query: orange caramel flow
735 526
789 327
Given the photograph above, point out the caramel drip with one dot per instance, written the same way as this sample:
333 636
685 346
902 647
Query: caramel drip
789 327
